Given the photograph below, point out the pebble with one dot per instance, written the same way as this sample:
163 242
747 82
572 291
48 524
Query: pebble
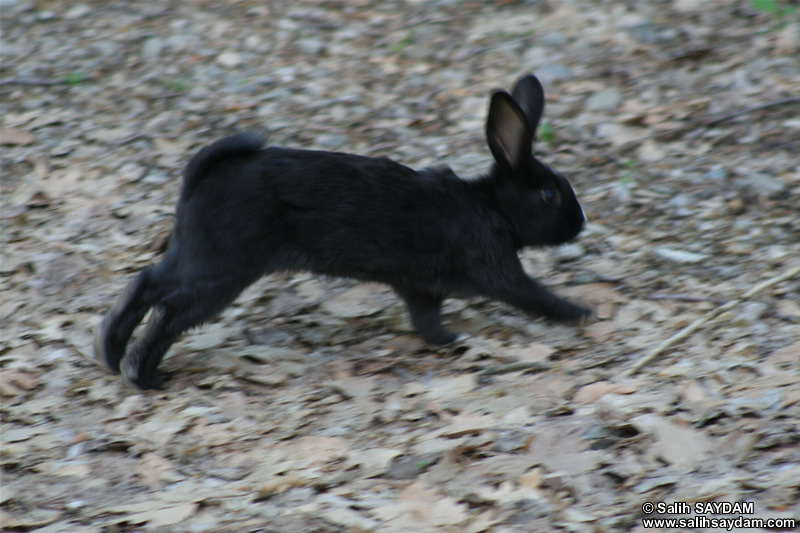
331 141
752 311
762 185
680 203
679 256
554 39
311 47
77 11
229 59
554 72
717 173
605 100
152 48
736 206
569 252
644 32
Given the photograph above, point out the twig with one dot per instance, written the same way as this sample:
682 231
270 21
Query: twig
710 121
727 116
131 138
682 298
31 81
694 326
514 367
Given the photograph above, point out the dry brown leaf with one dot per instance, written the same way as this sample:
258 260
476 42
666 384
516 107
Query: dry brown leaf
375 461
318 450
33 519
678 445
789 308
694 392
153 468
73 469
788 354
535 352
467 423
362 300
165 516
350 519
600 330
594 391
599 293
531 479
167 146
651 152
447 389
421 509
15 136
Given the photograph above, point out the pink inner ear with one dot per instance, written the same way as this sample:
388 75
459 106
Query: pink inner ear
511 131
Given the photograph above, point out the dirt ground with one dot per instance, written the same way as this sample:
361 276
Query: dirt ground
310 406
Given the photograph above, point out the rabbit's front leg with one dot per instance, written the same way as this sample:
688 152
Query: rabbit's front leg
426 315
522 291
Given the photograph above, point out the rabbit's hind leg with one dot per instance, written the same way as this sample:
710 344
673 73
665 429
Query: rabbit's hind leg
114 332
191 305
426 315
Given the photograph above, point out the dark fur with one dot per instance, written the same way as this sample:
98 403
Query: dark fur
246 211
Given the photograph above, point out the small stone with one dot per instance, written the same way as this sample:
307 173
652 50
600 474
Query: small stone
717 173
75 505
605 100
152 48
679 256
554 72
752 311
762 185
312 47
644 32
229 59
736 206
77 11
554 39
680 203
331 141
569 252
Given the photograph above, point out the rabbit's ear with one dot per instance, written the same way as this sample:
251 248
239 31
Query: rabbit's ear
507 131
529 94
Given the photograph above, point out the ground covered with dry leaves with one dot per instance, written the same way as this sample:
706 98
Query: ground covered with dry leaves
310 405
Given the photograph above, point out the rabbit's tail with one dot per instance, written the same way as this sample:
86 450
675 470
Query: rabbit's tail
235 145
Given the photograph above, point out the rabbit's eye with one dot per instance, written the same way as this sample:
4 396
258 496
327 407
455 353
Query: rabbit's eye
550 196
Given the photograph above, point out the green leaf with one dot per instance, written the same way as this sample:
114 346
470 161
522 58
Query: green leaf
546 133
75 78
765 6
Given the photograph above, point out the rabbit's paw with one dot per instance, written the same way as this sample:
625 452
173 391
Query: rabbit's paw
572 314
582 316
132 377
101 355
440 337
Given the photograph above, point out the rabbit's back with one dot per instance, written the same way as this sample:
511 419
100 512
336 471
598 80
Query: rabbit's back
332 213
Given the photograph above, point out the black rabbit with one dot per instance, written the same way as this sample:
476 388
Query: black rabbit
245 211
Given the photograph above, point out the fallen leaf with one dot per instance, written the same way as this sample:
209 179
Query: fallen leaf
362 300
318 450
166 516
15 136
153 468
678 445
535 352
465 424
594 391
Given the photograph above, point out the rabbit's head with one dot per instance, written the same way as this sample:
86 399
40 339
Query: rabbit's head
538 202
